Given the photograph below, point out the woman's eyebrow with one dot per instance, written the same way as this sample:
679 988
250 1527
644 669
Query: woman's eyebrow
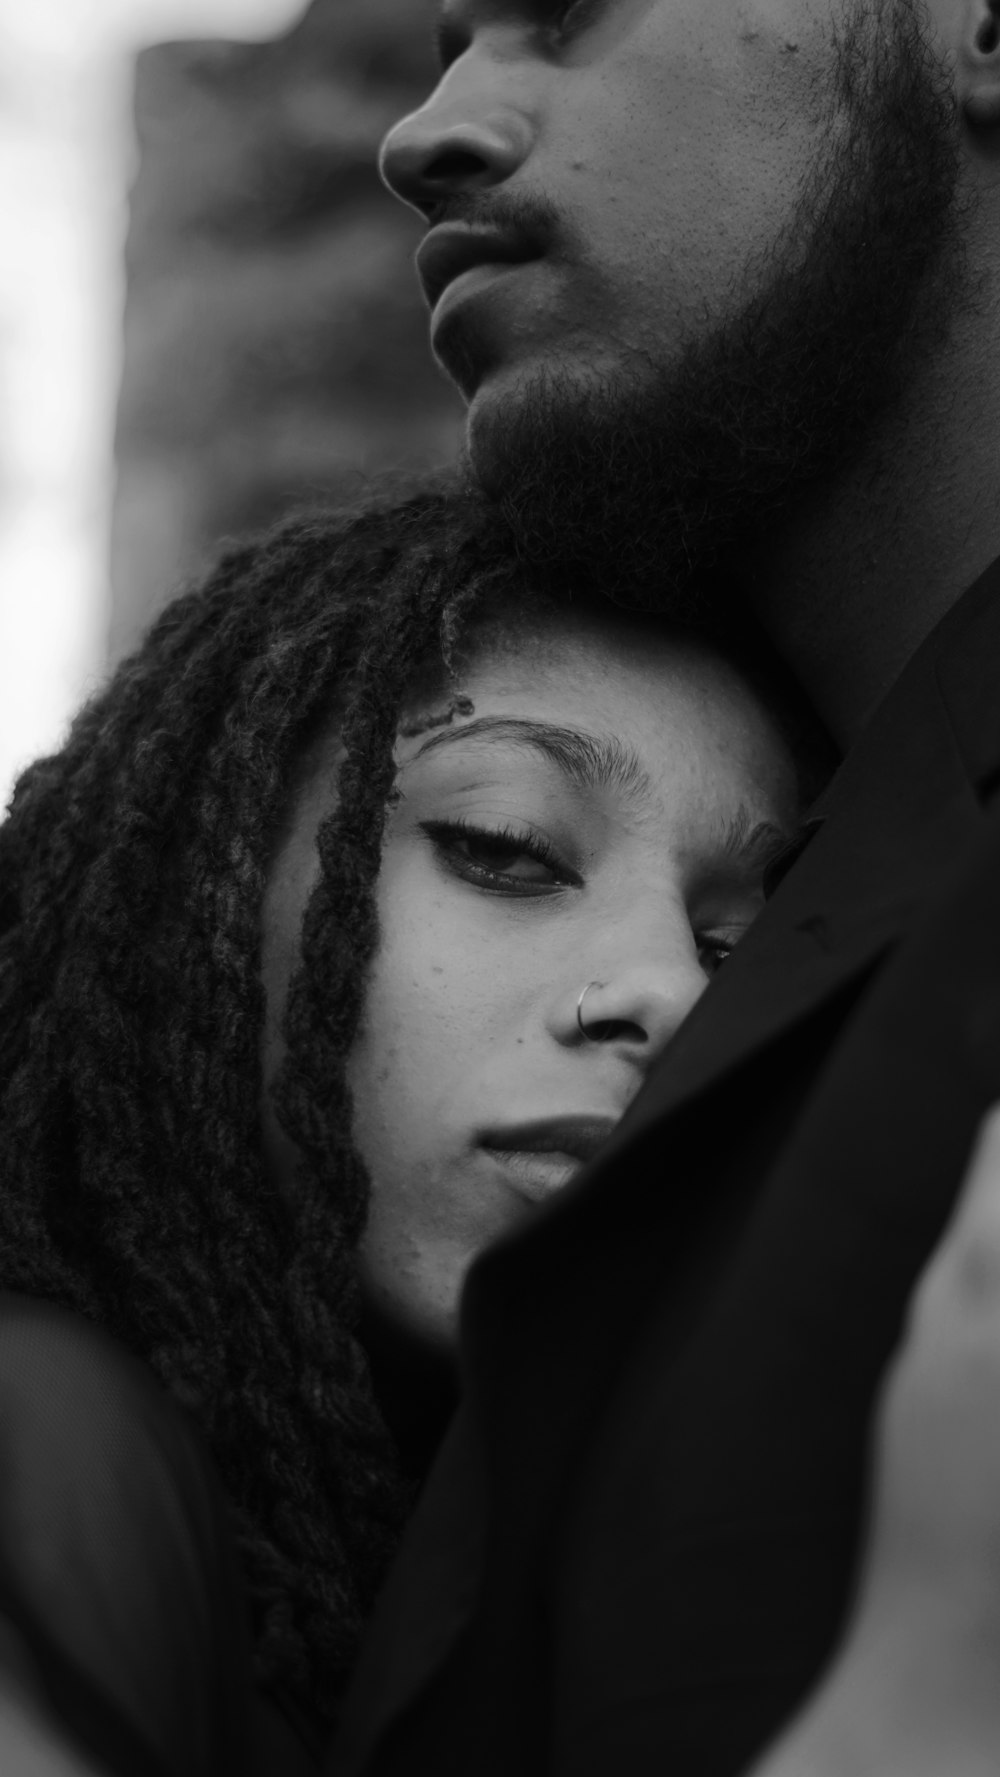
590 761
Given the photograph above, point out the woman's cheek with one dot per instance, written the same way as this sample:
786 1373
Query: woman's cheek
420 1011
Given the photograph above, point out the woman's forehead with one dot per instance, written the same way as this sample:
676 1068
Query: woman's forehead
666 717
614 668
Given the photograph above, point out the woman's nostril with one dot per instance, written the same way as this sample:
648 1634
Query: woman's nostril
617 1030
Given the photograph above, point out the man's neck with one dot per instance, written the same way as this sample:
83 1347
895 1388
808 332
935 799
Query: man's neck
876 558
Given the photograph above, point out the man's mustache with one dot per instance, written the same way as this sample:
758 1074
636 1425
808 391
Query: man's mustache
525 214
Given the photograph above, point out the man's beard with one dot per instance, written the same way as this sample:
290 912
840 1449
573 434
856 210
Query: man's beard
652 488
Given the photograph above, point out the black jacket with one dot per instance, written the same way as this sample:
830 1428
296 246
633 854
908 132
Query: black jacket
637 1547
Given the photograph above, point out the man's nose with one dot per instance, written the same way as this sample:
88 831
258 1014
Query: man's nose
457 142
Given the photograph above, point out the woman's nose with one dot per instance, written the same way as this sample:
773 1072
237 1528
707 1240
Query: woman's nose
639 1007
459 141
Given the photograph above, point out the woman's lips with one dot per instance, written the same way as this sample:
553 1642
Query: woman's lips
538 1158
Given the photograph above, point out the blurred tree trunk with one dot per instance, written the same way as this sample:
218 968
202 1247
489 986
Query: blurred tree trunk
275 338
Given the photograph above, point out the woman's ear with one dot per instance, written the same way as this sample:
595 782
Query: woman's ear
979 64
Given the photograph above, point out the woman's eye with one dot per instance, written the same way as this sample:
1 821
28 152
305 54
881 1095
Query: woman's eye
499 859
491 852
714 951
567 17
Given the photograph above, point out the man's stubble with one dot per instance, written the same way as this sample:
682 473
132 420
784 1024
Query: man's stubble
654 486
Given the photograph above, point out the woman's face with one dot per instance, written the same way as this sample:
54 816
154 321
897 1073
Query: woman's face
602 814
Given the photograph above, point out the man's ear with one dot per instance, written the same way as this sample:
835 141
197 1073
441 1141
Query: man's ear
979 64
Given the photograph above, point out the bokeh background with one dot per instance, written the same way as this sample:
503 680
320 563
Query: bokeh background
208 312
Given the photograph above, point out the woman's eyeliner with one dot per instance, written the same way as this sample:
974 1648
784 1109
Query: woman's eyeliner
457 841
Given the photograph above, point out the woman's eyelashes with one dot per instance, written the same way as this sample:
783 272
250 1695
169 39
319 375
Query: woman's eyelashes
567 18
714 950
502 859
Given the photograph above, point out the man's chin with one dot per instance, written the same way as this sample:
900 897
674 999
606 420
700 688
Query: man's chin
503 411
573 460
485 448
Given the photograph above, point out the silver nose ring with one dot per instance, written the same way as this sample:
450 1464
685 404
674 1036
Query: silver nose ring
579 1011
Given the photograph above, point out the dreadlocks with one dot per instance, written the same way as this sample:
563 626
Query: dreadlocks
132 873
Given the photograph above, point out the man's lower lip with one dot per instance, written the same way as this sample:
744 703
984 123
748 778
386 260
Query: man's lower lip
533 1174
468 283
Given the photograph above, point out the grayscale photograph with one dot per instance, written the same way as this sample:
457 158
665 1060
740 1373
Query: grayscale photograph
500 888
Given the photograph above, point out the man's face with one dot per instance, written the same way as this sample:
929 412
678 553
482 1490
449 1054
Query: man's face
662 144
700 236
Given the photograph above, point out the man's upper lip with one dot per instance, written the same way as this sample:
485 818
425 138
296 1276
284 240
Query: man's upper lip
453 247
580 1136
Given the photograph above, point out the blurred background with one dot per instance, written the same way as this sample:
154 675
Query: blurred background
207 307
